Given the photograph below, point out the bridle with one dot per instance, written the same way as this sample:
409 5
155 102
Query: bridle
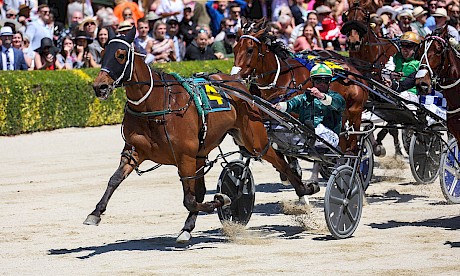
435 76
425 63
260 60
127 72
368 32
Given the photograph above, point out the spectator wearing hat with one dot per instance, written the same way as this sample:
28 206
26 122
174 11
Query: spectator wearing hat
124 27
10 57
37 30
420 16
223 49
89 25
199 49
390 28
162 47
45 57
172 32
323 12
405 19
16 4
15 25
152 17
441 18
121 5
84 57
187 26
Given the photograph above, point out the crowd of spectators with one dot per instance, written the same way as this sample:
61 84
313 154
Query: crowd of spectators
176 30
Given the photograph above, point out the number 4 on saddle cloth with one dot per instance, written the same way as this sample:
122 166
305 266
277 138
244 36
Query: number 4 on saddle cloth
215 100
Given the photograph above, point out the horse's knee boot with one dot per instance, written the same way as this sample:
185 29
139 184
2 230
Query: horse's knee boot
190 203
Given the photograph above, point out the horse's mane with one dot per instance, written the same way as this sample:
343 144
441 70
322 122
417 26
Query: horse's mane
276 46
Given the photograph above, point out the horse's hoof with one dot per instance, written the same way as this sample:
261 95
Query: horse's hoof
92 220
311 187
303 200
380 151
223 198
286 182
184 237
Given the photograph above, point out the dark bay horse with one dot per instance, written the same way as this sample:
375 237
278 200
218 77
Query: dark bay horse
440 64
162 124
279 76
368 51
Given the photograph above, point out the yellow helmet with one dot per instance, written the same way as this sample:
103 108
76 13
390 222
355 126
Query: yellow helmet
410 37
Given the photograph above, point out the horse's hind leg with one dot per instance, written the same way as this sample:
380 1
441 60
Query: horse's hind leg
124 169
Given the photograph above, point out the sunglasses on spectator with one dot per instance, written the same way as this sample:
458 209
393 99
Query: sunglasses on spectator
321 80
45 12
128 15
89 23
202 31
10 15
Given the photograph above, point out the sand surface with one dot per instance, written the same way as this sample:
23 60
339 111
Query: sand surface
50 182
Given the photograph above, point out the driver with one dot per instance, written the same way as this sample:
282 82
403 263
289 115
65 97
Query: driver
320 106
405 67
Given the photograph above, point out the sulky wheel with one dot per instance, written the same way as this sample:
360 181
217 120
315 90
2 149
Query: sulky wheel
367 163
450 173
236 181
343 202
425 157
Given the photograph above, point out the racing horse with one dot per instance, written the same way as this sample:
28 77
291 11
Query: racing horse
279 76
440 65
368 51
162 124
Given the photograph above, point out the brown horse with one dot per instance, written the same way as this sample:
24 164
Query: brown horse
278 75
367 50
440 64
162 124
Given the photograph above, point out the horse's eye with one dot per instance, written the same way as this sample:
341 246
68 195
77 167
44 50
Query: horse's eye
249 51
121 56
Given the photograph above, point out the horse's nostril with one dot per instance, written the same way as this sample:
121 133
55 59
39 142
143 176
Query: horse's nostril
103 86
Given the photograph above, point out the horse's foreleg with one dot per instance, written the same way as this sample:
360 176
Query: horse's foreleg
394 133
124 169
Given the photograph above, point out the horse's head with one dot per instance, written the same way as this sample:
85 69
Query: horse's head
356 25
431 54
116 64
249 52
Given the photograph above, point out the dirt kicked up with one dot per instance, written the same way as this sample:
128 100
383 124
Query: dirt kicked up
51 181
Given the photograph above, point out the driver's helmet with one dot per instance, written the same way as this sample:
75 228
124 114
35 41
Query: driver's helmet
410 38
320 71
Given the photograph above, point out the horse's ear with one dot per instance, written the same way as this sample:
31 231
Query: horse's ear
111 33
131 35
239 32
244 21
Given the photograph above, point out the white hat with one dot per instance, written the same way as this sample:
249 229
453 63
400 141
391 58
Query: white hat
387 9
151 16
418 11
407 13
440 12
6 31
323 9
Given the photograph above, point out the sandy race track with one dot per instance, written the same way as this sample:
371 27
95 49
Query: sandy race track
51 181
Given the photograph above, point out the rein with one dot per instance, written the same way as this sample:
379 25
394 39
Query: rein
427 65
278 71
